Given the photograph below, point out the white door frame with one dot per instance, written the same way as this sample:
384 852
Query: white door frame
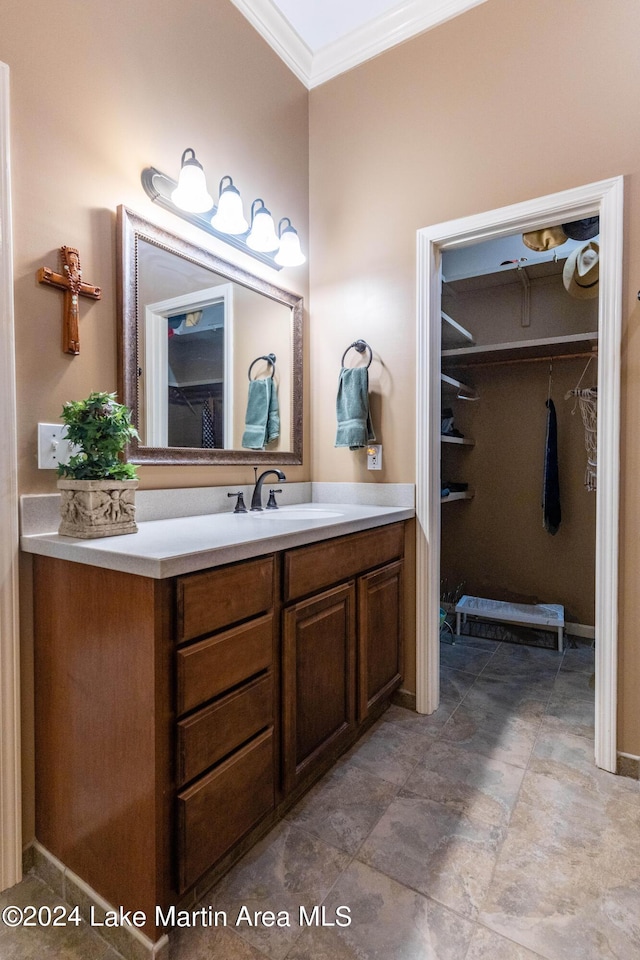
10 793
604 199
156 351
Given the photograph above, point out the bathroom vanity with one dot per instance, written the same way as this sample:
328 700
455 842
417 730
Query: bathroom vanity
187 695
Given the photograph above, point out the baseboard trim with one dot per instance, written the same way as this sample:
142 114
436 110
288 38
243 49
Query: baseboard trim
404 698
628 765
580 630
128 941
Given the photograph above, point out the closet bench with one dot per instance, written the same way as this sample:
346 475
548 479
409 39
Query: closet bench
550 615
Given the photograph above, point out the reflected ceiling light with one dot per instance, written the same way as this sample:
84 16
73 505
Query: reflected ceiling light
229 217
191 193
262 236
289 254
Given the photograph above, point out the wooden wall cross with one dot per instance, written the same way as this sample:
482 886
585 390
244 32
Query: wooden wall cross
70 280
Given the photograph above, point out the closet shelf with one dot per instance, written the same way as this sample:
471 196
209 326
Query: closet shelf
461 495
197 383
460 440
453 332
521 349
452 386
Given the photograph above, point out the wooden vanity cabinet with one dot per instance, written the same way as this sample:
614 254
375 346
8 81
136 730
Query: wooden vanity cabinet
342 647
104 727
175 719
157 722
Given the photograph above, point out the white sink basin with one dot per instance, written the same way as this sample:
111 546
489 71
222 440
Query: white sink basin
299 513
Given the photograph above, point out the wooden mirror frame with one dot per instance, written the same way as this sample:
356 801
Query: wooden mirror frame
133 228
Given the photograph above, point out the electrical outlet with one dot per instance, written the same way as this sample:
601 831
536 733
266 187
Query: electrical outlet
374 456
53 447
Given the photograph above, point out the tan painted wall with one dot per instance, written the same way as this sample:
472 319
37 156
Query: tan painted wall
98 92
262 326
508 102
493 314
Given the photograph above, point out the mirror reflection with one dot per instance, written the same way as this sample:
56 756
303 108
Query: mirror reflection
211 355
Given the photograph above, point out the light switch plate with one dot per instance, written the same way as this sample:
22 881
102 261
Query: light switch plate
53 446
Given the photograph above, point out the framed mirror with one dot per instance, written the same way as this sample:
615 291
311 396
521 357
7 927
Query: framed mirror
195 334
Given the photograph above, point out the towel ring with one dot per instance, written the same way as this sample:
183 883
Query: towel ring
270 358
360 346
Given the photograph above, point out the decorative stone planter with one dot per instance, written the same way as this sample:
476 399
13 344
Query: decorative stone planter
97 508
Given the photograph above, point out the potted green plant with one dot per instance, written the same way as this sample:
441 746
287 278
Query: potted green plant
96 485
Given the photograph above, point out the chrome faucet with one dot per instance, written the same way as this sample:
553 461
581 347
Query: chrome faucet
256 499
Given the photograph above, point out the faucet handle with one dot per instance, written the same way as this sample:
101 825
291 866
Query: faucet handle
240 507
272 505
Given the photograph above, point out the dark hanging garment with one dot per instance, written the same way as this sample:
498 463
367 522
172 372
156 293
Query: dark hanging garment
208 432
551 514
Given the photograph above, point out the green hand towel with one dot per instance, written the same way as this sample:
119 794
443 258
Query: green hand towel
352 409
262 421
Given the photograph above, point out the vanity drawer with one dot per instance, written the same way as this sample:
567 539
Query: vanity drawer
209 667
216 730
219 809
309 569
217 598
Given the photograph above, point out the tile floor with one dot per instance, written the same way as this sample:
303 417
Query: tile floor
483 832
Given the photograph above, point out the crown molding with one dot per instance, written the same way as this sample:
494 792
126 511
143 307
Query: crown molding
266 18
390 28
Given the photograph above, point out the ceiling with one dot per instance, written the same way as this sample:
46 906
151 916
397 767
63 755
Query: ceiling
319 39
320 23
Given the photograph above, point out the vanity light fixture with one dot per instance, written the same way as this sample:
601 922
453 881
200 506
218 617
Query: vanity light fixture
262 236
190 200
229 216
191 193
289 254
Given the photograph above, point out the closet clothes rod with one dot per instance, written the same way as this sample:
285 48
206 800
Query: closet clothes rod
552 358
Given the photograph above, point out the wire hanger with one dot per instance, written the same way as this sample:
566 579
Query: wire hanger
550 379
574 392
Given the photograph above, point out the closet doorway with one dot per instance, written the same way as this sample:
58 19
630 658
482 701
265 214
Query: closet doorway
603 199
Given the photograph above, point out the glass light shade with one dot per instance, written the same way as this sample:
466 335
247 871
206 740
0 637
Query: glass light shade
289 254
229 217
191 193
263 236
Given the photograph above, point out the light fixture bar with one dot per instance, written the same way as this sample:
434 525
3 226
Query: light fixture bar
159 187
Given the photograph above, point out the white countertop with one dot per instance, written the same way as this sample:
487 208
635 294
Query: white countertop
166 548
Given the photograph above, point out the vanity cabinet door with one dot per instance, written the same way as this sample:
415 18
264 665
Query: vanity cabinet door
318 680
380 634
